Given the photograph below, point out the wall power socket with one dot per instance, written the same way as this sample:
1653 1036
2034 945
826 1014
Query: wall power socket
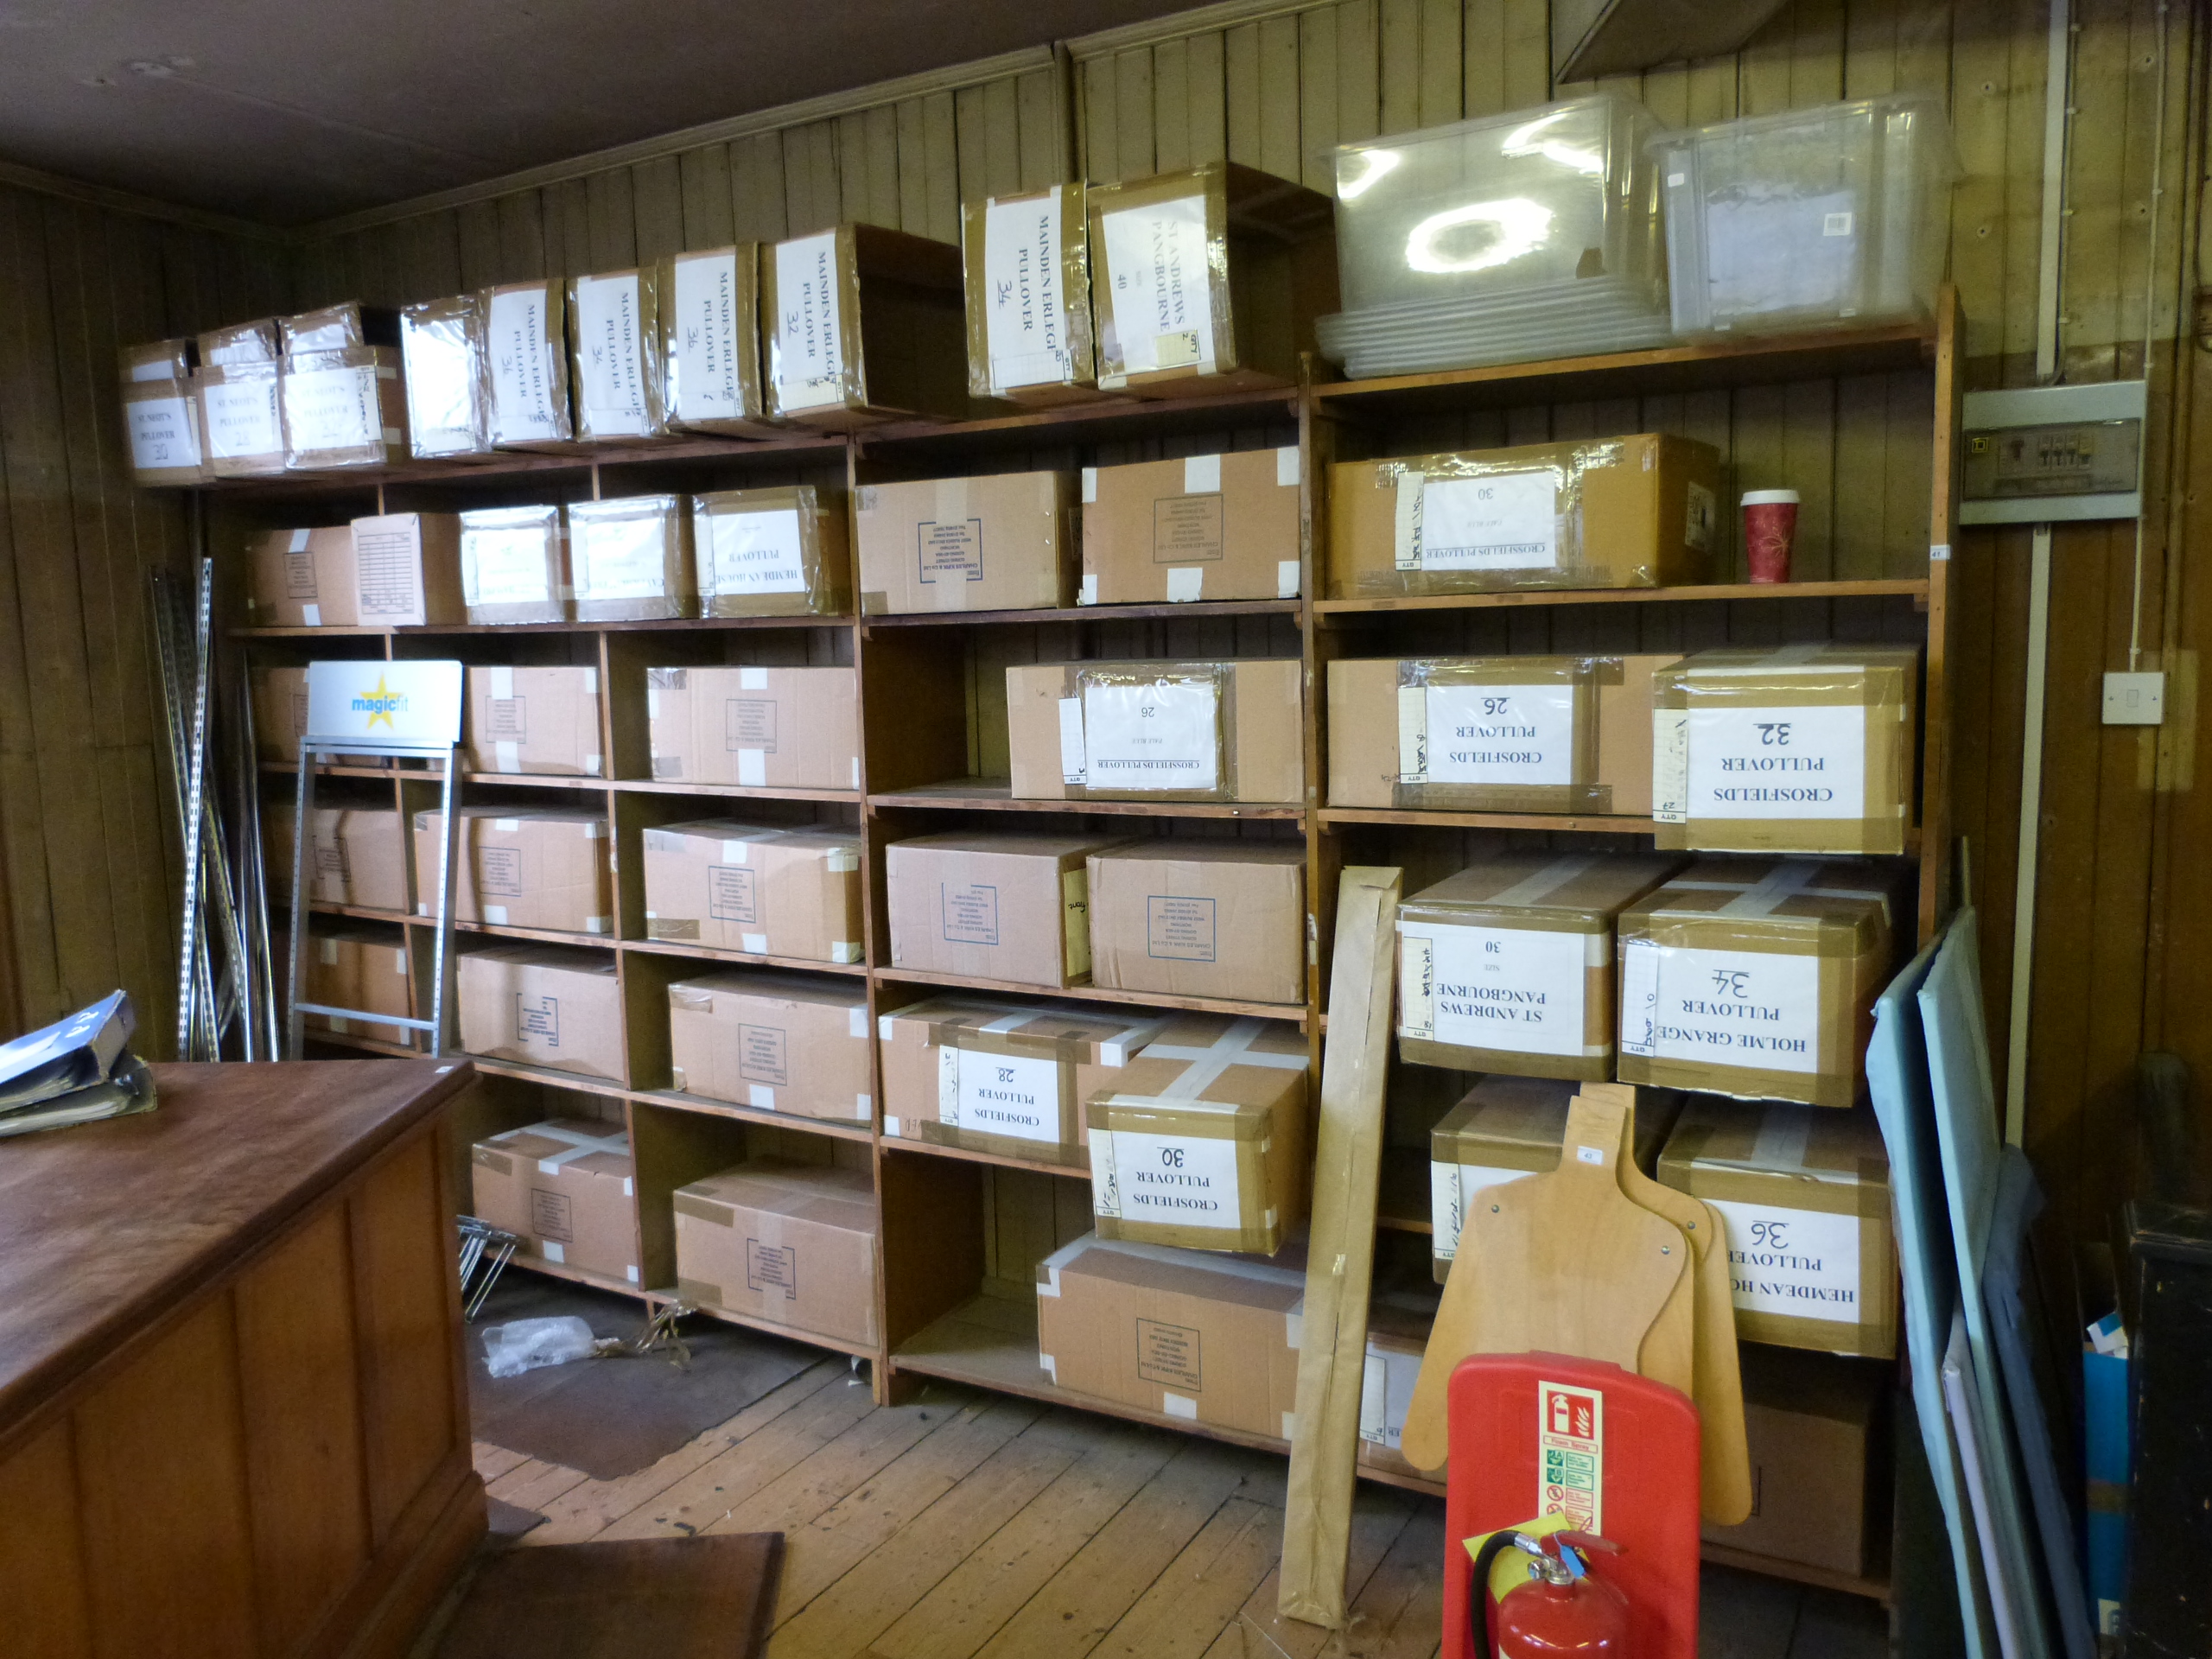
2135 699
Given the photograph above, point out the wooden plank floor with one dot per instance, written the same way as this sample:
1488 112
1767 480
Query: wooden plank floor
967 1525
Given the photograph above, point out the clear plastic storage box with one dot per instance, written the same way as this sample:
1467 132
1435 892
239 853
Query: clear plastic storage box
1821 218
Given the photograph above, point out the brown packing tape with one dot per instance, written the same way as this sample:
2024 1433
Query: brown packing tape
1454 1056
704 1210
699 1293
498 1161
690 1000
1579 675
875 602
1209 182
1073 287
824 557
1241 1240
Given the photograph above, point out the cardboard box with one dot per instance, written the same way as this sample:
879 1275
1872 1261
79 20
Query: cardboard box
336 328
863 324
350 965
1205 1338
1216 272
521 867
1758 977
1223 919
302 579
542 1005
526 340
1815 1428
768 893
344 408
774 1042
1227 731
514 565
1027 263
259 341
1573 742
359 856
630 559
1805 1196
615 339
241 418
1202 1142
532 720
1004 542
407 569
1014 907
568 1186
757 728
1001 1078
1397 1338
1504 1128
280 712
161 419
710 305
1798 749
1637 511
158 360
1508 966
775 552
790 1244
1205 527
448 378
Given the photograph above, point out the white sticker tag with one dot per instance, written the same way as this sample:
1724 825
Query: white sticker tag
753 553
506 566
1287 467
1386 1392
1801 1263
1753 1010
810 354
1639 1010
999 1094
1163 734
1500 735
332 409
1072 745
1670 765
610 354
1026 314
620 558
1187 584
1803 761
1174 1180
1288 579
1503 521
1513 988
163 433
705 317
1451 1190
1162 298
242 418
524 371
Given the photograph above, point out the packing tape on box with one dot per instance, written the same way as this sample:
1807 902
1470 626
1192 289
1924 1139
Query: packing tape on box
1541 713
1787 880
1258 1273
579 1145
1205 1065
1202 475
1287 472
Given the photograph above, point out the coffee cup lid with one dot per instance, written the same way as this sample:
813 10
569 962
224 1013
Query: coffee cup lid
1770 498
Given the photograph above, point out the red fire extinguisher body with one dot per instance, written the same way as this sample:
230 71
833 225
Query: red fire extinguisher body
1586 1617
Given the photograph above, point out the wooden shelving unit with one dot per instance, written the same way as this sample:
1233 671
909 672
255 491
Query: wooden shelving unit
960 1231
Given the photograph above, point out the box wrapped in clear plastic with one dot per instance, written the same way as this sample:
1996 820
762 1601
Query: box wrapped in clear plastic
630 559
776 552
614 320
344 408
1027 261
257 341
710 305
514 565
448 377
526 340
1831 216
863 325
334 328
241 416
161 413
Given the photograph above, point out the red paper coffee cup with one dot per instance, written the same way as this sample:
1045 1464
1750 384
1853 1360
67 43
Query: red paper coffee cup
1769 528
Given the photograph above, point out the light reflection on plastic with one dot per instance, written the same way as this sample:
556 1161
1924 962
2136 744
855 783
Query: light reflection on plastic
1522 225
1529 141
1367 168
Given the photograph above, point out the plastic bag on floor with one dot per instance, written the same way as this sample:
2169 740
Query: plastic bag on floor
525 1344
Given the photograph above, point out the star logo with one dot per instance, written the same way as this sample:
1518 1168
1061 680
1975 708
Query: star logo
381 702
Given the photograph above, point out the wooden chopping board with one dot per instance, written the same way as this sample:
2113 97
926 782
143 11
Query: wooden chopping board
1563 1263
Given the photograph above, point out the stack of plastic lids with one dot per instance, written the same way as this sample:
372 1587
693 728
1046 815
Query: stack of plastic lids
1834 217
1527 235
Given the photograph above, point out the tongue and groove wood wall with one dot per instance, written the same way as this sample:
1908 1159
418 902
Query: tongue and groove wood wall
2123 901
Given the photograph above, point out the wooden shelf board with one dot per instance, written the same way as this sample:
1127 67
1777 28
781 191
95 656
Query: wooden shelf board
678 1100
1796 1572
576 1275
1586 824
1914 588
421 774
734 792
999 1160
651 624
1105 419
1098 993
815 1339
1202 607
715 954
993 795
1752 360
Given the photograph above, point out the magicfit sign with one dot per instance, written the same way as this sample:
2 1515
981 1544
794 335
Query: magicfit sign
375 705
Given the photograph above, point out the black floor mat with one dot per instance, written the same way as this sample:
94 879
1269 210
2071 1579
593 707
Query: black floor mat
612 1417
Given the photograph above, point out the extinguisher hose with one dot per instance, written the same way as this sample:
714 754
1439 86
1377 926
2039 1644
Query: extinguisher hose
1478 1597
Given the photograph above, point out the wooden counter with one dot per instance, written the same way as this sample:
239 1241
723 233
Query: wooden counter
234 1410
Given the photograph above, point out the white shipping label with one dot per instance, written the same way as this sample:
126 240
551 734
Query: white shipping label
999 1094
1159 735
242 419
1386 1392
1500 735
1503 988
1794 762
1162 295
163 433
611 351
707 319
1072 746
506 566
525 374
1801 1263
1749 1009
332 409
753 553
1026 317
620 558
1174 1180
1670 765
1451 1188
810 339
1503 521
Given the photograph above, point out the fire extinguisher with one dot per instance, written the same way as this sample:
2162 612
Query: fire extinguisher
1562 1609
